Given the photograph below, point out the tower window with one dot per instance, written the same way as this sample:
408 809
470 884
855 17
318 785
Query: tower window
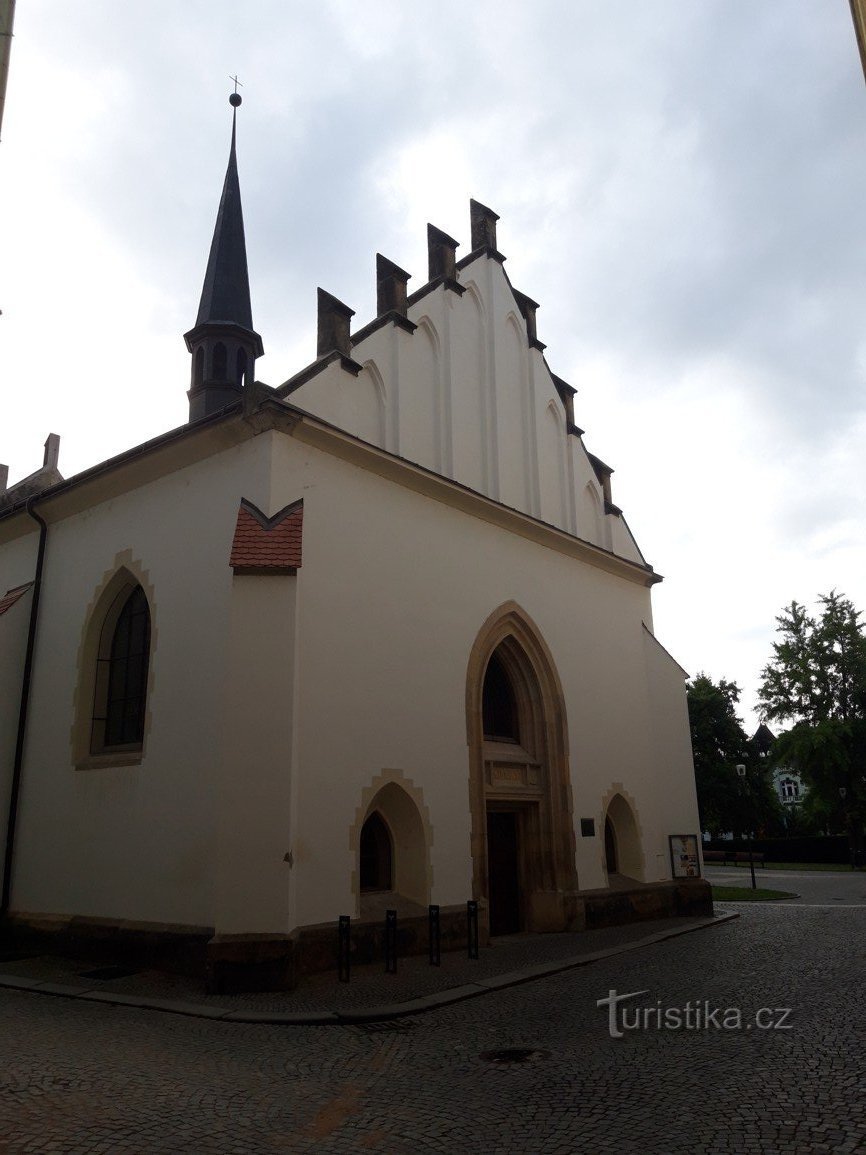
220 361
198 370
241 366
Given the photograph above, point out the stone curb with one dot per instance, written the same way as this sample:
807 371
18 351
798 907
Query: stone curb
373 1014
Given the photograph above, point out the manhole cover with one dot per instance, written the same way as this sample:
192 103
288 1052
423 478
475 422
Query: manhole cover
514 1055
104 974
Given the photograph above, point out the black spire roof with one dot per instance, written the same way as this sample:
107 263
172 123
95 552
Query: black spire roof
225 295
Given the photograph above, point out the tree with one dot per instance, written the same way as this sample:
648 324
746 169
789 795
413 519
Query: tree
816 679
719 743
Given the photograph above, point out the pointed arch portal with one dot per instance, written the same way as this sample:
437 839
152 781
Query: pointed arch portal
520 793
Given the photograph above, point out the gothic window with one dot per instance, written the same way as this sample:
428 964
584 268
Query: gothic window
499 705
121 678
220 361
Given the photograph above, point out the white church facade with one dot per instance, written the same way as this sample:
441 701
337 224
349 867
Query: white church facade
372 639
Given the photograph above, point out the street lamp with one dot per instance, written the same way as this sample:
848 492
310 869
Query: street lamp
741 773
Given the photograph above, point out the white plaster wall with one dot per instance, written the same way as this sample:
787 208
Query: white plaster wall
254 795
552 465
137 842
17 566
379 624
672 751
512 414
622 542
13 644
470 395
421 399
466 396
394 589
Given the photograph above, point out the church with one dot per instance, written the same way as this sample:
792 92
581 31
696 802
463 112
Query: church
374 638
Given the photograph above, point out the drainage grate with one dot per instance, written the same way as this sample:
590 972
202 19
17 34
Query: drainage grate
386 1025
104 974
514 1055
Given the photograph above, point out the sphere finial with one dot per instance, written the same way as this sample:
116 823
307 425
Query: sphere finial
235 99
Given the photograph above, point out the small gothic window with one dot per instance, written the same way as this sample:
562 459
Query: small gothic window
121 691
198 375
499 705
241 366
220 361
376 858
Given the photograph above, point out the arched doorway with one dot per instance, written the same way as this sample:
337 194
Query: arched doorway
392 855
622 842
376 865
520 792
610 847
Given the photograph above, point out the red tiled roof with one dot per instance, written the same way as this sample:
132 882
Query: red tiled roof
11 596
267 544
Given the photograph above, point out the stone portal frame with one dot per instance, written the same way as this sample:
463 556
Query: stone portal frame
400 804
548 872
621 808
126 573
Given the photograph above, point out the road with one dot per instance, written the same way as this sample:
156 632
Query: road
78 1077
813 888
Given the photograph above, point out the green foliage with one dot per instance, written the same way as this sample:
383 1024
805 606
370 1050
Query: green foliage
818 670
719 743
816 679
747 894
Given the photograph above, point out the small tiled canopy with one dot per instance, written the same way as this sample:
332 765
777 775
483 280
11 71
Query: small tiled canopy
267 545
11 596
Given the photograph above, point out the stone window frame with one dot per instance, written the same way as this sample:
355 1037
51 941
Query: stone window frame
105 607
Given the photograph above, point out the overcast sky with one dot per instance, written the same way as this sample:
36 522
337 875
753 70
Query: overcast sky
680 183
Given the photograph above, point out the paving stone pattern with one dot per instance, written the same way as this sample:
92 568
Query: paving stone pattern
369 986
82 1077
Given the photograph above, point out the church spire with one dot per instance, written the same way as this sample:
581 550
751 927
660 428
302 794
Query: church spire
223 343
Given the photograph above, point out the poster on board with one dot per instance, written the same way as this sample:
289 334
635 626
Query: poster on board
685 862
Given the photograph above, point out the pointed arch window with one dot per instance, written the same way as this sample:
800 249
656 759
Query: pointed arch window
220 361
241 366
121 676
198 367
499 704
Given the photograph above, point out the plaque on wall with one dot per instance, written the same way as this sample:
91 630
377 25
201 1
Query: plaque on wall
685 862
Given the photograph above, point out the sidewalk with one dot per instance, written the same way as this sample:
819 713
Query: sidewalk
370 996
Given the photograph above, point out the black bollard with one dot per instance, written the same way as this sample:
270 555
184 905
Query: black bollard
472 929
434 936
344 930
390 942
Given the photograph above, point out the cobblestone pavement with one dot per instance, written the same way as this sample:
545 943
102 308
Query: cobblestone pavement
369 986
79 1077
